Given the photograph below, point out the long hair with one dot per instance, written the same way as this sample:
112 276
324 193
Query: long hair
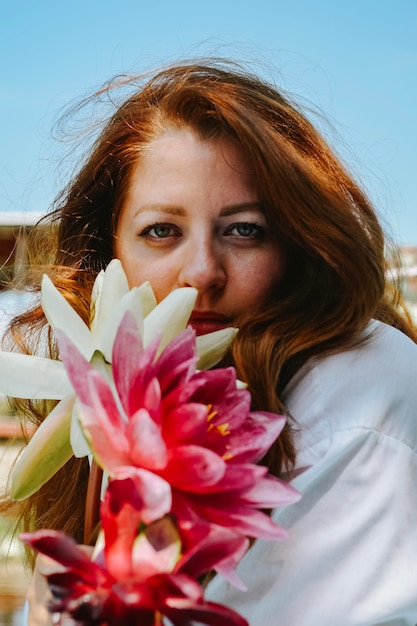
334 281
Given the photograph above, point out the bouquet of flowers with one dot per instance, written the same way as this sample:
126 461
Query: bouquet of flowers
182 492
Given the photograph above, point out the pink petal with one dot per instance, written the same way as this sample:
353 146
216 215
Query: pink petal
121 516
77 367
220 548
248 484
243 520
152 400
154 492
137 597
237 479
65 551
181 612
204 387
190 468
104 424
232 408
127 350
256 435
177 361
177 585
211 385
132 364
270 492
109 445
147 447
102 400
186 423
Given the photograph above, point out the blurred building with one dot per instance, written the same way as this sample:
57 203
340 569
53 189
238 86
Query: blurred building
14 229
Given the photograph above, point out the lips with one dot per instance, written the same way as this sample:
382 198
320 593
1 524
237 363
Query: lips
205 322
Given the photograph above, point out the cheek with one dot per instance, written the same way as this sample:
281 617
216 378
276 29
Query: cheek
260 277
139 271
134 268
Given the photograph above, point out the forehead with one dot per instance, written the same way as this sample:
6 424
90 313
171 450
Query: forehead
178 160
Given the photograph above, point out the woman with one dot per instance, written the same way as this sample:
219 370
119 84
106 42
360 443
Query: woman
208 177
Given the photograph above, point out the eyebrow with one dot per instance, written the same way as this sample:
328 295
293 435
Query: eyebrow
181 212
240 208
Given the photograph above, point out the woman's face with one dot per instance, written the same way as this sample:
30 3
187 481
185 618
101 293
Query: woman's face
192 218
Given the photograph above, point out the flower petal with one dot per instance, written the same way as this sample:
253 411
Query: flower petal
103 428
156 550
170 317
148 298
60 314
154 492
242 519
33 377
79 442
77 366
110 285
219 548
191 468
193 420
120 514
65 551
47 451
259 431
270 492
183 612
177 361
132 365
107 331
147 448
212 347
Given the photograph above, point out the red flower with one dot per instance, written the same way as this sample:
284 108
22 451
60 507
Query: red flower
188 435
140 576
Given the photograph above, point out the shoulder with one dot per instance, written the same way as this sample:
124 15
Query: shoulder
371 387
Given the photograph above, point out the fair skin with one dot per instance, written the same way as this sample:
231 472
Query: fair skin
192 218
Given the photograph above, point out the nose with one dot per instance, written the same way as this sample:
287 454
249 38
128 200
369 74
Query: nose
202 266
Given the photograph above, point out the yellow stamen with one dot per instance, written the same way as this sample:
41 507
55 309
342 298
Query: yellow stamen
211 413
223 429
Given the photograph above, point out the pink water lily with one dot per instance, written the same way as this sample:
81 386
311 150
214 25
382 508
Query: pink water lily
140 576
59 437
169 425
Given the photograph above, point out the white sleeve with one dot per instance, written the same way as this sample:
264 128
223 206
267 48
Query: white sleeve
351 557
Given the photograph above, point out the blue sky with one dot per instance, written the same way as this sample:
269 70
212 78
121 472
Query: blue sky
356 60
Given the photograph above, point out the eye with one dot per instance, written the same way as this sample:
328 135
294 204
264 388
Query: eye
247 230
158 231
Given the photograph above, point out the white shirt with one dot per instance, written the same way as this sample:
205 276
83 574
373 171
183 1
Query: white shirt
351 558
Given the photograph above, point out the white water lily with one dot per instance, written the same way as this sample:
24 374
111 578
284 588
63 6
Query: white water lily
33 377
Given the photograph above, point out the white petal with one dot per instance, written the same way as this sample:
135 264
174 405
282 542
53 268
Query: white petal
109 287
147 297
170 317
95 298
79 443
106 333
32 377
47 451
212 347
60 314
